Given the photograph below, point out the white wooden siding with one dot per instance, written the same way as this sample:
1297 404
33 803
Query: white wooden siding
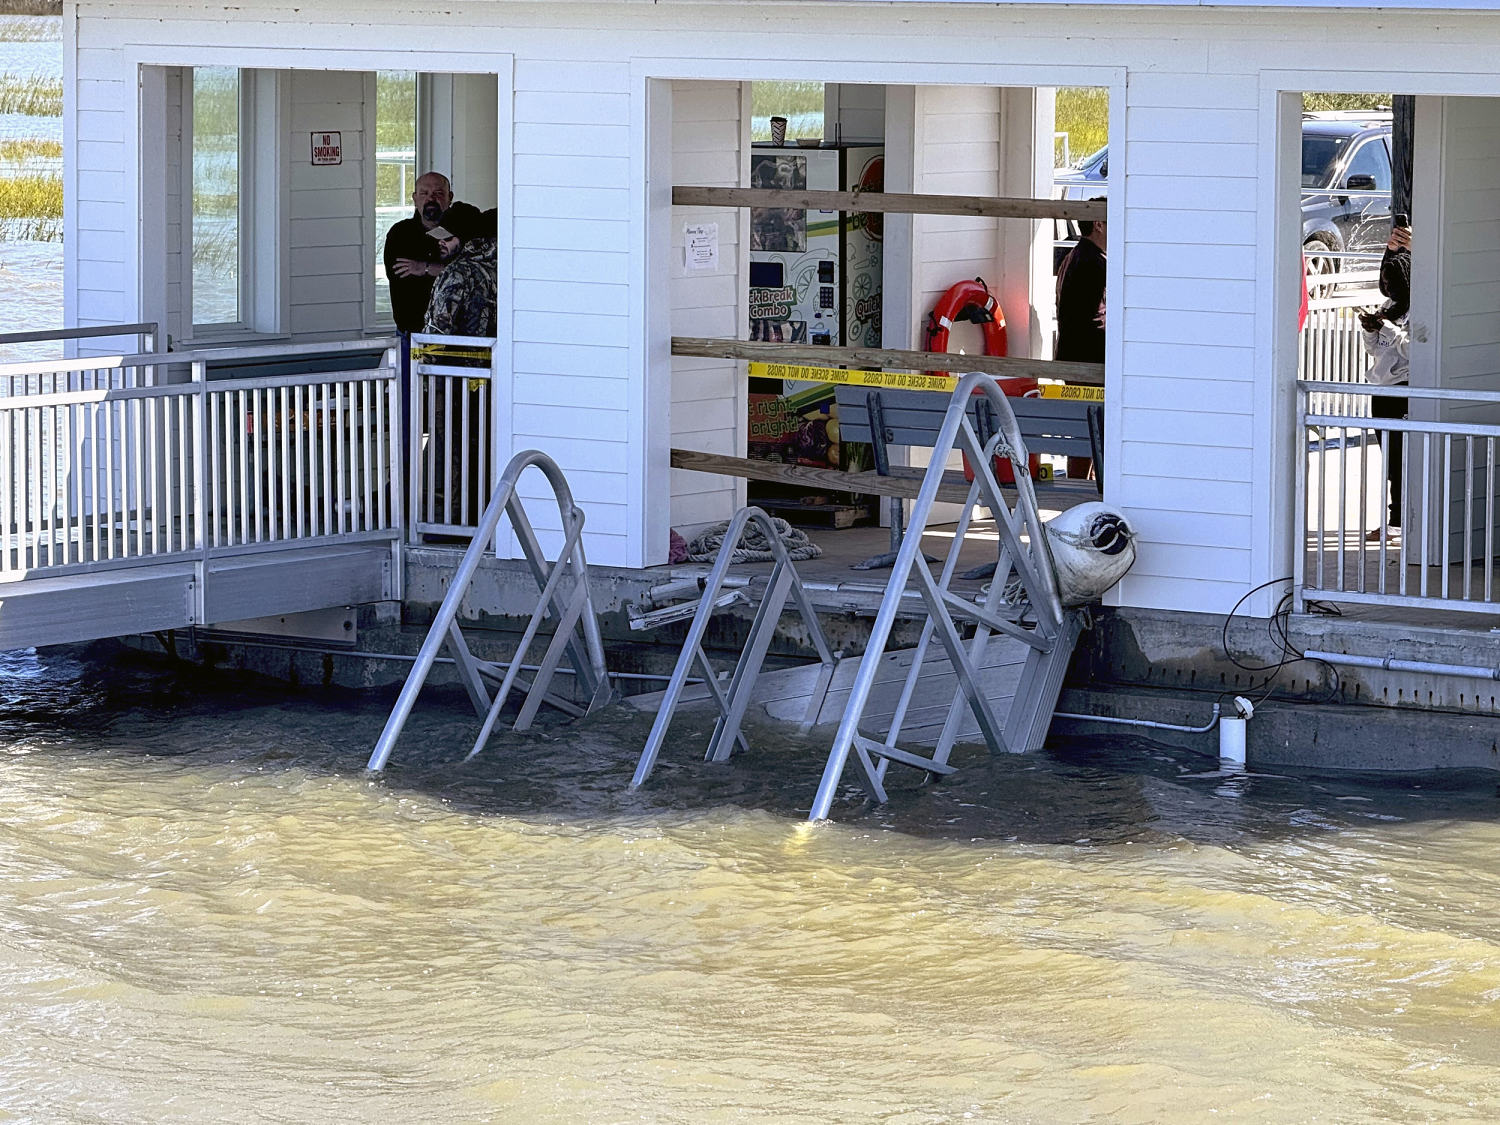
326 268
1181 414
97 219
1469 262
573 390
710 128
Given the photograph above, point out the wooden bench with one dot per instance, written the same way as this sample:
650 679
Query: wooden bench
1067 427
1061 426
884 417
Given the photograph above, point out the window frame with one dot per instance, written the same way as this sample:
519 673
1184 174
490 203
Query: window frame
261 290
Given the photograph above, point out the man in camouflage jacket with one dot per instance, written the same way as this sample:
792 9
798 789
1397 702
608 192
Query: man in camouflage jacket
463 299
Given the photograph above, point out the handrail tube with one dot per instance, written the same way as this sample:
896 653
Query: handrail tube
263 351
162 359
1403 425
188 390
447 614
95 332
1401 390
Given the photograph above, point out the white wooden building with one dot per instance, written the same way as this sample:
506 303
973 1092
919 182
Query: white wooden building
576 120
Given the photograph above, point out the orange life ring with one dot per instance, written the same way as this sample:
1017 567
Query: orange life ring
973 301
968 300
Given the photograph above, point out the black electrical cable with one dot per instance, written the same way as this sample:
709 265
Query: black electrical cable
1277 630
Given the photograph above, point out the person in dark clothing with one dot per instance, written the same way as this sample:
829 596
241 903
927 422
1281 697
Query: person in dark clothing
1386 339
463 304
412 264
1080 298
412 260
1080 310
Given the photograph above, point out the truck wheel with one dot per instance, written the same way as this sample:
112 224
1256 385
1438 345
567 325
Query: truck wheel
1321 267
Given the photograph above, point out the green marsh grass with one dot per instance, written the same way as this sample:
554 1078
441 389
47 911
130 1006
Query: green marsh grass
1082 113
30 7
20 29
801 103
1314 102
31 207
21 149
31 196
34 95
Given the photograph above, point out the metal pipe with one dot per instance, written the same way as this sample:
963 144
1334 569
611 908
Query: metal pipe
363 654
1149 723
1393 664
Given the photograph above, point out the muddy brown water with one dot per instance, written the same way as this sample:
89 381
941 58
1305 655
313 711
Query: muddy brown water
209 911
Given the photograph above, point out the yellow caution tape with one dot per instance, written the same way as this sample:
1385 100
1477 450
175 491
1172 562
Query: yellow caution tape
448 351
906 380
1073 392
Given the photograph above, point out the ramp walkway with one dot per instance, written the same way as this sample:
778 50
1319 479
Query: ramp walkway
988 664
158 491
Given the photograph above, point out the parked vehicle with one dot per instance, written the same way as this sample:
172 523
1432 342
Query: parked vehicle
1346 186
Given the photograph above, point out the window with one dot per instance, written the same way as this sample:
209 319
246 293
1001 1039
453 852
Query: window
395 166
1372 159
1319 154
216 190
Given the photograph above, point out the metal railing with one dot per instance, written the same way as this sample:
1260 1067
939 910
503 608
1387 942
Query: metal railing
450 451
49 377
1331 347
1439 548
123 473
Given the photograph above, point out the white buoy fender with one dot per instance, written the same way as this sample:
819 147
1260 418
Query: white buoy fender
1092 548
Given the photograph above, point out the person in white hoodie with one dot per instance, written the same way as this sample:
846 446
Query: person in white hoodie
1386 339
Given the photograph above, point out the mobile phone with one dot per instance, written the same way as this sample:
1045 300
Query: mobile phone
1400 219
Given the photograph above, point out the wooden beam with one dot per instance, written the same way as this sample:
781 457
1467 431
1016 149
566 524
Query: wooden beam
1091 374
980 206
805 476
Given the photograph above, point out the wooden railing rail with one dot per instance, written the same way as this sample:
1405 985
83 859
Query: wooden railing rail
905 483
980 206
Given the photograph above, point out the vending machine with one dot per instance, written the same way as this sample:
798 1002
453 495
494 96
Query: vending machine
815 278
815 275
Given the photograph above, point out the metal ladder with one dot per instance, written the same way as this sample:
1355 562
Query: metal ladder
784 583
1037 619
564 597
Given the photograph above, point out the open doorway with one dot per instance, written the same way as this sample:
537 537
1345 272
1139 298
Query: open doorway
1400 355
737 269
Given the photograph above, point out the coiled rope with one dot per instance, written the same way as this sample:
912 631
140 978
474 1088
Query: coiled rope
753 545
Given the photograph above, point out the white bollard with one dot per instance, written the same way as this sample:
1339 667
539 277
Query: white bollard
1232 733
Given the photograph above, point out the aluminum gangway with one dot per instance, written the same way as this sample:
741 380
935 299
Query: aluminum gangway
783 584
159 491
564 598
986 666
1021 610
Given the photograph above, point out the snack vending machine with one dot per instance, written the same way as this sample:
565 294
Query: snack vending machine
815 278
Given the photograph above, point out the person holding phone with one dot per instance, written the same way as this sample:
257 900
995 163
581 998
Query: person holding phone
1387 341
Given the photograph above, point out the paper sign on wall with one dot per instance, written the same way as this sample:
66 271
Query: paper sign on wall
327 148
701 245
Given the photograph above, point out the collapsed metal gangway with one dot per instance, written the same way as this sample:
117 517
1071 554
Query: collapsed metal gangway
564 598
1021 605
784 584
1000 655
